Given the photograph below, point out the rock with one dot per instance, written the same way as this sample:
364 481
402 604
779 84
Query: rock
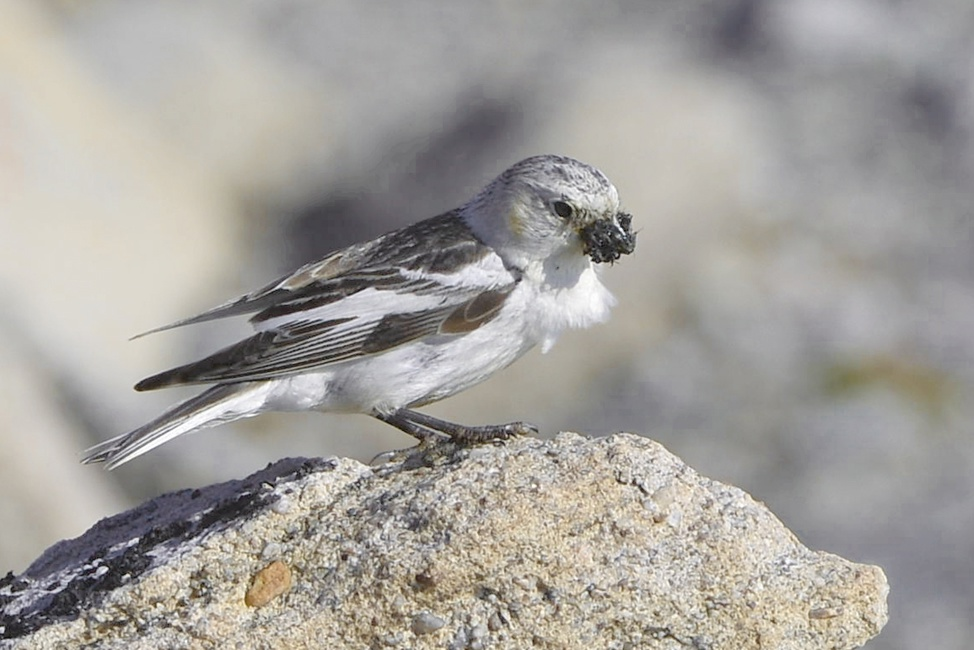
563 543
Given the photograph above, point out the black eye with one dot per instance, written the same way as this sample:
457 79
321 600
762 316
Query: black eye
562 209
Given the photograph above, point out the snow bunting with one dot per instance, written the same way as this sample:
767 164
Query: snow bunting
413 316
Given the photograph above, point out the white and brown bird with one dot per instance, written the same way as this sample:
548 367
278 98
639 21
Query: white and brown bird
413 316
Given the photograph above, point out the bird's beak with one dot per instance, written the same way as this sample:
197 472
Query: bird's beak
606 240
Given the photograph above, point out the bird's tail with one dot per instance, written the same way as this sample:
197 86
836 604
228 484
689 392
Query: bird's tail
216 405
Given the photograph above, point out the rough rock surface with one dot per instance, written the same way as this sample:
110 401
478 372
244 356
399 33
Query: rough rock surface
564 543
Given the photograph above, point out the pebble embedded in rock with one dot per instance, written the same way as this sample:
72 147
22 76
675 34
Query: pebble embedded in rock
269 583
425 623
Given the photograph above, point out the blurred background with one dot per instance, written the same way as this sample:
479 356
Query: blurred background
798 318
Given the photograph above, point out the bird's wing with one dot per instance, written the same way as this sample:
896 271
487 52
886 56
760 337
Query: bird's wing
420 285
431 245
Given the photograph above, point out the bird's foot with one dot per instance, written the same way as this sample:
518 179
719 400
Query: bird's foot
429 430
466 435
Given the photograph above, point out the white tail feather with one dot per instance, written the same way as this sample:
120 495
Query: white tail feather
219 404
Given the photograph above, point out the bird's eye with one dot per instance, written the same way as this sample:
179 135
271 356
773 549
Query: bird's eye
562 209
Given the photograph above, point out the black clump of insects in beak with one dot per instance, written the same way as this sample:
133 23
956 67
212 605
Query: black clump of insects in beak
604 241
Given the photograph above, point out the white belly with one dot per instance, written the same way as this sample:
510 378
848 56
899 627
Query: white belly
429 370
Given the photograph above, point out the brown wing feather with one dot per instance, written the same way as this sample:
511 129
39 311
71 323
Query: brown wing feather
307 345
475 312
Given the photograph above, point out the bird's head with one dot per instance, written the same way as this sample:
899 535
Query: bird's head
548 206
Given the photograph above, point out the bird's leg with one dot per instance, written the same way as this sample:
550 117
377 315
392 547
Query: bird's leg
425 427
469 435
399 420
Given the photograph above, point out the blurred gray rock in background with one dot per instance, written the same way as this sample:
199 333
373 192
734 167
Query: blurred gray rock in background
568 543
797 320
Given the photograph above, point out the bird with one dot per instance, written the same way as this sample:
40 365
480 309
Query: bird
414 316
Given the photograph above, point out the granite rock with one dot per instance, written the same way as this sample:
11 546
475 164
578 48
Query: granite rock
572 542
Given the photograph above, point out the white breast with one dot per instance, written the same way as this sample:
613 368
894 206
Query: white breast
566 292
